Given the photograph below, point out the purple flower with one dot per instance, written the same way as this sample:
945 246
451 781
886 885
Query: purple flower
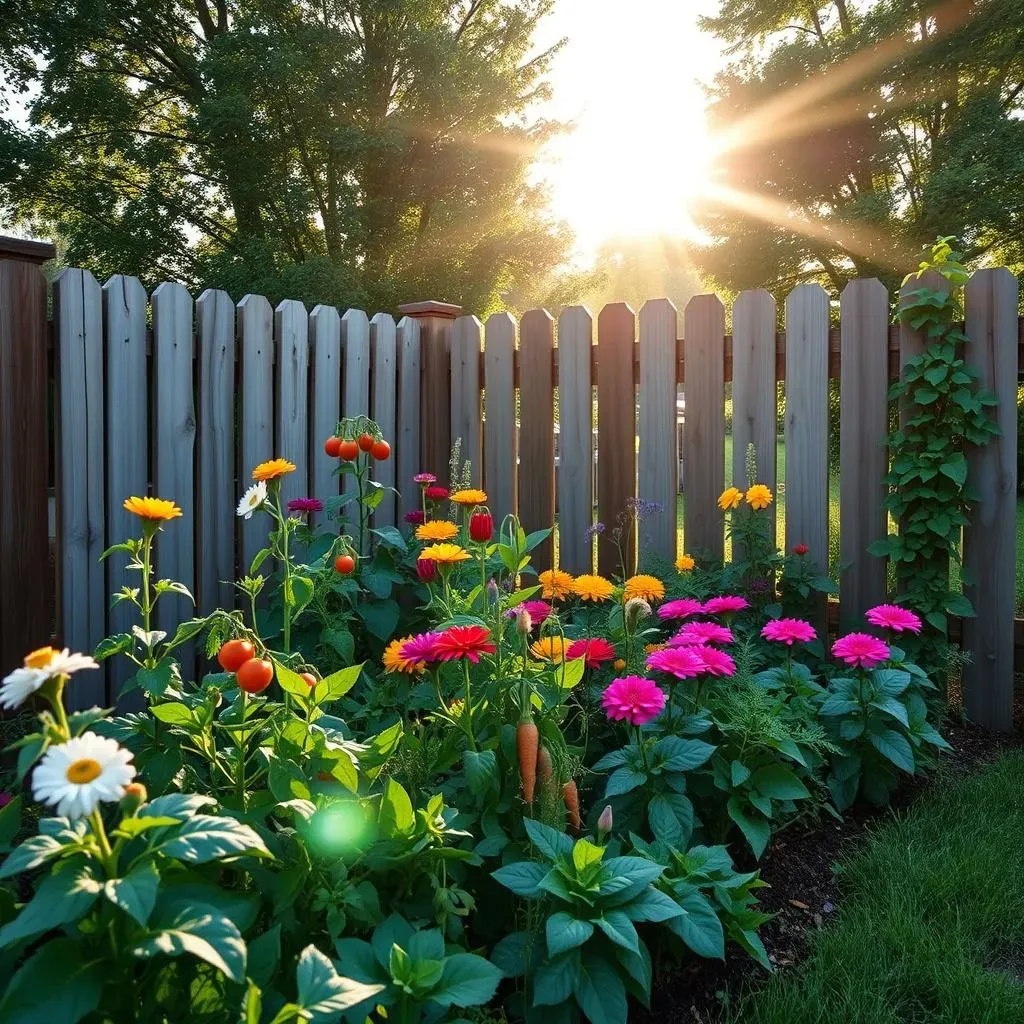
415 517
303 506
593 531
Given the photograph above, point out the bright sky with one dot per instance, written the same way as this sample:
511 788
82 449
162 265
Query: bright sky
629 77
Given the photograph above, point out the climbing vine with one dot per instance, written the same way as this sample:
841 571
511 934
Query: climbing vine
944 407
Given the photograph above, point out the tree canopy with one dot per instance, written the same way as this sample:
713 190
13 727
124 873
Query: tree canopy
362 152
854 133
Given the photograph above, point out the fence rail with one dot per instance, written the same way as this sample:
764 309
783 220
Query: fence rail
183 397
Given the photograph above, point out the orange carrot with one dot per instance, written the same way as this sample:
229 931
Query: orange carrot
527 742
571 796
544 769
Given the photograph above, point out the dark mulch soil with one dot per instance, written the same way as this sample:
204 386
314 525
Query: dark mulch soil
805 891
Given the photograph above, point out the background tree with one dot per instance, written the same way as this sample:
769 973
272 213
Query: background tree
855 133
363 152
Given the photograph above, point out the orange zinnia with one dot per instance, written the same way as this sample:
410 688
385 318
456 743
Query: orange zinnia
436 529
394 662
556 584
469 496
273 469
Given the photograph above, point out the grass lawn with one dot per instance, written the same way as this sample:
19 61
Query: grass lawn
931 928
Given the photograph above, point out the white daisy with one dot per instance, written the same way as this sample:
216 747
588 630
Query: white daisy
76 776
252 499
39 666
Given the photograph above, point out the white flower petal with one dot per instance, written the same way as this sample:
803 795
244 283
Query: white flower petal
50 782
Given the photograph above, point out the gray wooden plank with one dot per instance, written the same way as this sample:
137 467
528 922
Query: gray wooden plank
575 440
325 399
408 433
78 324
863 456
291 331
658 458
704 426
537 428
384 410
990 539
501 448
355 344
467 418
215 539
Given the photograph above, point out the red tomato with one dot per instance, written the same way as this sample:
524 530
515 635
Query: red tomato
255 675
380 450
366 442
234 654
345 564
309 679
333 446
348 450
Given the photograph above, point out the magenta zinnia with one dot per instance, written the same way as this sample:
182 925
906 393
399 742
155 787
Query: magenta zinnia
860 649
694 633
633 699
893 617
716 662
682 608
415 517
724 605
421 649
464 642
680 662
594 651
302 506
424 478
788 631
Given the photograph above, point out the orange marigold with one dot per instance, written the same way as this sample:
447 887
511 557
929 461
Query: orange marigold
592 588
556 584
648 588
273 469
469 496
445 554
157 509
684 563
436 529
549 648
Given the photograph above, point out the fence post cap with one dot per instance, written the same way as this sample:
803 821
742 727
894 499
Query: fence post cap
26 250
419 310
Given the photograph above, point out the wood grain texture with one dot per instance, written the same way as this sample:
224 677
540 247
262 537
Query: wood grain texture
658 459
127 450
863 455
408 434
291 439
435 360
989 542
704 426
616 431
215 523
466 414
78 326
325 401
254 322
355 395
575 440
384 412
174 436
754 407
501 447
537 429
807 421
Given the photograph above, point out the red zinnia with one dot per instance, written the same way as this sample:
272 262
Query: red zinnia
481 527
464 642
801 549
426 569
436 493
594 651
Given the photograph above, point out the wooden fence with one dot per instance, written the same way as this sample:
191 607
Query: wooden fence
181 398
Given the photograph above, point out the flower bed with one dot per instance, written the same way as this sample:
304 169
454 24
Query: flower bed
426 780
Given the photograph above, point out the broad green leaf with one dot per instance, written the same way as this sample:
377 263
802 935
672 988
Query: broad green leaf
891 681
213 938
177 805
55 986
291 682
395 931
515 953
340 640
755 829
684 755
481 768
894 746
390 536
523 877
79 721
337 684
466 980
570 673
203 838
600 992
585 853
174 713
699 927
564 932
778 782
263 956
136 892
31 854
61 898
664 823
652 905
739 773
554 981
548 840
623 780
396 813
893 708
287 781
380 617
620 929
613 759
324 994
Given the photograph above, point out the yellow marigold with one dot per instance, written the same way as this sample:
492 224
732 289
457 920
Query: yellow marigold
445 554
152 508
556 584
549 648
651 648
684 563
436 529
619 664
469 496
393 661
730 498
273 469
592 588
649 588
759 496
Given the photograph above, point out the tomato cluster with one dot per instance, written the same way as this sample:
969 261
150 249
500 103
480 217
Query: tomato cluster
348 449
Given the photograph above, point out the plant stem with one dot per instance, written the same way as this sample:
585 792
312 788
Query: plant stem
468 709
109 864
362 510
240 744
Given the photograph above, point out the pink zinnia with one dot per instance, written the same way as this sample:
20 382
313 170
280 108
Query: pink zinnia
415 517
694 633
788 631
539 610
860 649
724 605
594 651
421 649
680 662
892 616
716 662
464 642
302 506
424 478
681 608
633 699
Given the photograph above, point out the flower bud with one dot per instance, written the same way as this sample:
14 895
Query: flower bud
135 796
426 569
604 823
524 622
481 527
636 609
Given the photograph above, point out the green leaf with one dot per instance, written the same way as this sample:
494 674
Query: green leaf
390 536
204 838
174 713
323 993
755 829
291 682
778 782
623 780
564 932
31 854
652 905
263 956
211 937
570 673
177 805
956 469
684 755
894 746
481 768
61 898
554 981
892 707
340 640
380 617
620 929
585 853
467 980
523 877
155 682
10 821
549 841
136 892
958 604
301 593
739 773
665 823
600 992
515 953
337 684
396 813
699 927
54 985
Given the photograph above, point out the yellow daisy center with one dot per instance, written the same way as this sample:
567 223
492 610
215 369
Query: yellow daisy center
83 771
40 658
